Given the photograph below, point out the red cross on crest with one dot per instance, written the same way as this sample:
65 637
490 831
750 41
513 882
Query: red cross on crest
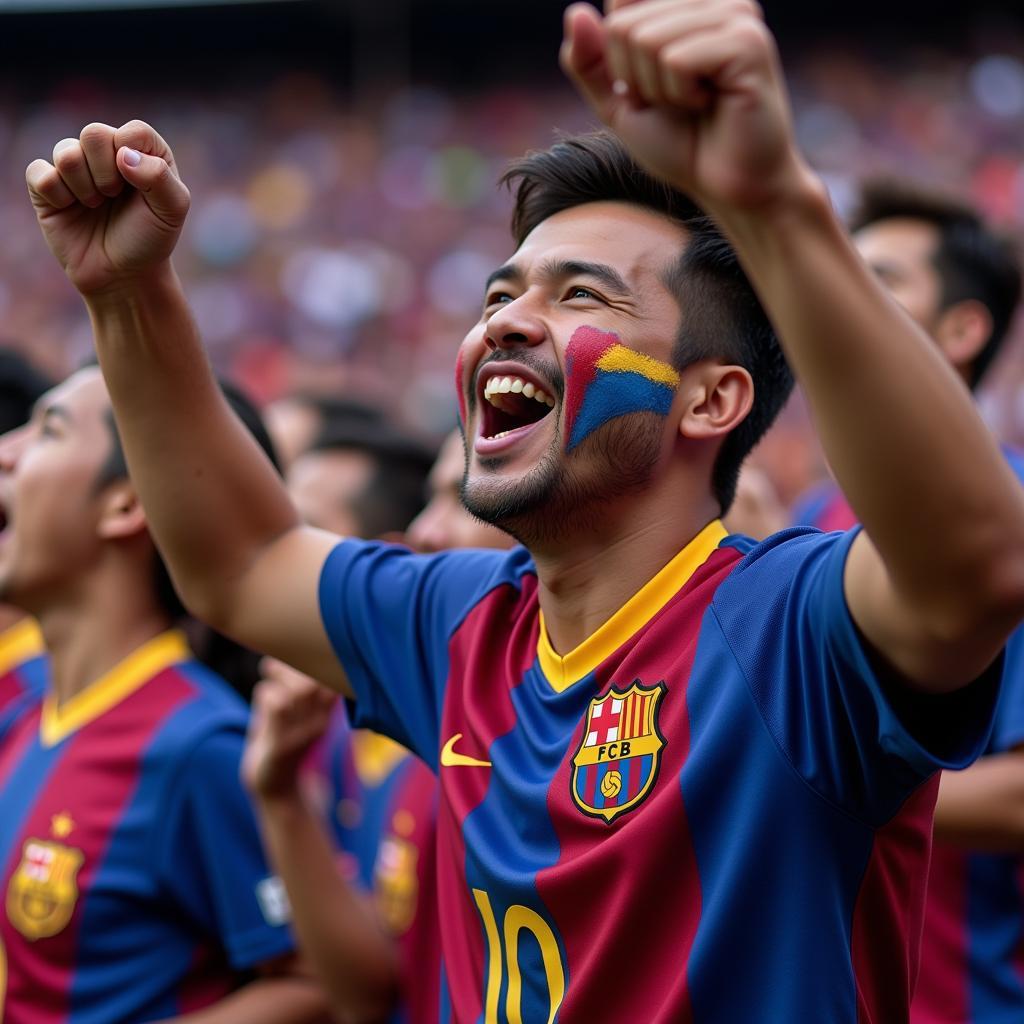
616 764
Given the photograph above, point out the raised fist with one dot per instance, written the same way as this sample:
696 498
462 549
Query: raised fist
695 90
111 205
290 712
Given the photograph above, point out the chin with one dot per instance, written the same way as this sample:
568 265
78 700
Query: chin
538 509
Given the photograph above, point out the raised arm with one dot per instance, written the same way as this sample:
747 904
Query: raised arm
111 206
695 90
336 926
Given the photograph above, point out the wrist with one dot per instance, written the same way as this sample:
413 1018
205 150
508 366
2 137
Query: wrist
281 789
155 284
799 200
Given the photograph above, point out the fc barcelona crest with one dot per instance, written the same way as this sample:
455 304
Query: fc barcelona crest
43 890
617 762
395 883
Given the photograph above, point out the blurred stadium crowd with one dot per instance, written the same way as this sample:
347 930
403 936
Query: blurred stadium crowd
334 255
335 249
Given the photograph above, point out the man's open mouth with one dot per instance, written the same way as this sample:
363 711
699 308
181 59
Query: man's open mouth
511 402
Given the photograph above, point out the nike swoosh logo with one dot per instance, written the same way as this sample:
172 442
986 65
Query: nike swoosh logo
451 759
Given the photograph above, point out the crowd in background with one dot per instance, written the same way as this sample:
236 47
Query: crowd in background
340 247
335 255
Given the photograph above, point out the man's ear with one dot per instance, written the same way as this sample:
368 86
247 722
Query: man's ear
716 398
121 514
962 331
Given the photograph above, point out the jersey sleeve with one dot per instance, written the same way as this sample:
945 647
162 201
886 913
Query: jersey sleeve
862 741
1009 727
210 860
389 615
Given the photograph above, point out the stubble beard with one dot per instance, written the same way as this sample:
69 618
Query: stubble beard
568 494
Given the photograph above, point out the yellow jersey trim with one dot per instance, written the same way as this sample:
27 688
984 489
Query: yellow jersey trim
109 690
561 672
20 643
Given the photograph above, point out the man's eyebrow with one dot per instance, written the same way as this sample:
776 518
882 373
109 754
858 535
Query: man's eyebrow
509 272
608 276
890 267
557 270
43 409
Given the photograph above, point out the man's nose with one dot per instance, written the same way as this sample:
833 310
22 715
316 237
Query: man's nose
12 444
514 324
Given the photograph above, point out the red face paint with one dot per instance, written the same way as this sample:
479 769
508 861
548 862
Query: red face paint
459 388
605 379
586 346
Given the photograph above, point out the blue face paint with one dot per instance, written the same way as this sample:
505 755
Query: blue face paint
604 380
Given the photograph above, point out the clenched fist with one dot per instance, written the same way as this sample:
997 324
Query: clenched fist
290 712
110 205
695 90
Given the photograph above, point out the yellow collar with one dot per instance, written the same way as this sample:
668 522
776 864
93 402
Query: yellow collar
375 755
562 672
111 688
19 643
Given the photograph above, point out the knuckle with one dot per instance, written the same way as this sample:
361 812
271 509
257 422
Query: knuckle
37 172
68 159
134 126
618 29
750 32
676 56
96 132
647 38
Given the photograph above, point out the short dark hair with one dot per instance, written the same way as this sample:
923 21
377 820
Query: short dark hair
973 260
721 314
394 494
21 386
235 663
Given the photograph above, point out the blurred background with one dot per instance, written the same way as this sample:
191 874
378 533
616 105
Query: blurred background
342 157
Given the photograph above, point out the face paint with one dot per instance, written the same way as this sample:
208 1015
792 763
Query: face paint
604 380
460 389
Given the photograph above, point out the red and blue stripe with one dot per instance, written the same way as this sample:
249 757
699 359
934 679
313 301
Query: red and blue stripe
605 380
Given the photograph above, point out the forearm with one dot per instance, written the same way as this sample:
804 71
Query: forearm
212 499
982 807
899 428
288 1000
337 929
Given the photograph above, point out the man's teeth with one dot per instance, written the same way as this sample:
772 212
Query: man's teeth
515 386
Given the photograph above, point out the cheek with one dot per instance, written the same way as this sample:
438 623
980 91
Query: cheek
605 379
586 347
920 297
54 506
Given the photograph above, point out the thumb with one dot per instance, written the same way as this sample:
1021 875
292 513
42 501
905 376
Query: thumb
164 192
583 58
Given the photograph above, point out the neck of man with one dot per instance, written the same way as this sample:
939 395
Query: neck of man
588 578
10 616
88 632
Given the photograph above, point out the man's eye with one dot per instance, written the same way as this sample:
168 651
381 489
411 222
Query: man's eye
579 292
498 299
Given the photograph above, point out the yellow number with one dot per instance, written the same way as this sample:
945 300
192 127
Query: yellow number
517 918
483 903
